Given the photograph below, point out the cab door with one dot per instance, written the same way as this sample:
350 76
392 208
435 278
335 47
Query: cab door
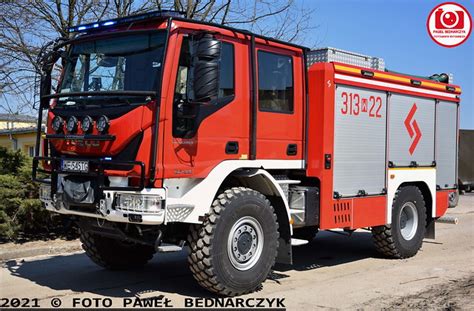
280 103
199 137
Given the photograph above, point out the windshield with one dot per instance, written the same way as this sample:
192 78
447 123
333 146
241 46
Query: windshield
125 63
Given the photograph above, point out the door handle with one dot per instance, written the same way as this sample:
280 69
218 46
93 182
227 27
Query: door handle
232 147
292 149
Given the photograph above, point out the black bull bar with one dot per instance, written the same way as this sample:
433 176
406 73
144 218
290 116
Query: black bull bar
97 169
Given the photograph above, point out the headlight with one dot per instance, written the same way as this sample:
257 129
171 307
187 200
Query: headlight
71 125
138 203
45 192
103 124
86 124
57 124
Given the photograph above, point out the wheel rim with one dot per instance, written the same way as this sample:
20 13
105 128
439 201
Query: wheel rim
408 220
245 243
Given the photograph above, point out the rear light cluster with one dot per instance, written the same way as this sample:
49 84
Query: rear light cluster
102 124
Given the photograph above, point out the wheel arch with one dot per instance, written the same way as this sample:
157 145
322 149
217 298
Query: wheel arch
197 194
425 191
423 178
262 181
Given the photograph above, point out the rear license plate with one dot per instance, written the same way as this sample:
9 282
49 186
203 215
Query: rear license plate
75 166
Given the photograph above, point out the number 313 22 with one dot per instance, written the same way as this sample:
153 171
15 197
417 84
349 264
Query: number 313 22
353 104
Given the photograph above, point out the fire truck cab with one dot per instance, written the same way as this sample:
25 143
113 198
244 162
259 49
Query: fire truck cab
165 132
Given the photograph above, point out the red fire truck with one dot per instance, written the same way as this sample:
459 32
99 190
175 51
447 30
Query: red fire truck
165 132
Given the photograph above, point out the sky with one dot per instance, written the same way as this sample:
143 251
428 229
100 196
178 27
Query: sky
395 30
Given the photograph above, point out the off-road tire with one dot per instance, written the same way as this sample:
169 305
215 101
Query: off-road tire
305 233
208 254
388 239
453 199
114 254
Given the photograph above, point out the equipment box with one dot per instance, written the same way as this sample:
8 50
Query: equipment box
327 55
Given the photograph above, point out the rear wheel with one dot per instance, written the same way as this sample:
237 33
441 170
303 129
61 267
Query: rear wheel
114 254
232 252
453 199
404 236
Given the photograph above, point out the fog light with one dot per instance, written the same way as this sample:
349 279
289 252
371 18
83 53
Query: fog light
138 203
102 124
57 124
86 124
71 125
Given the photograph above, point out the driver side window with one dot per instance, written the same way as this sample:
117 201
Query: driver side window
181 122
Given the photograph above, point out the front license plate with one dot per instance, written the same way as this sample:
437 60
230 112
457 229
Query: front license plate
75 166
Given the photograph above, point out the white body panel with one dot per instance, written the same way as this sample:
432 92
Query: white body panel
199 194
110 214
396 177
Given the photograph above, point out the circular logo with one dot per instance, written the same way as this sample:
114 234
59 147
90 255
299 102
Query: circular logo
449 24
56 302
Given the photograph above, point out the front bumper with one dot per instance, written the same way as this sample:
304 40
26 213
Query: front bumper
108 209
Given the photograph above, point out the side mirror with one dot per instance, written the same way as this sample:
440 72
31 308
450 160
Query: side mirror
46 64
45 89
207 52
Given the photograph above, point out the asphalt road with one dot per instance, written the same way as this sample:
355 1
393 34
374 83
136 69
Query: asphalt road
334 271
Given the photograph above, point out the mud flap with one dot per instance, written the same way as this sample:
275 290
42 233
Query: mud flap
430 229
284 253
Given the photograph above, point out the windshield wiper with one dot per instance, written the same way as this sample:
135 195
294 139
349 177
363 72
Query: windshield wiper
151 94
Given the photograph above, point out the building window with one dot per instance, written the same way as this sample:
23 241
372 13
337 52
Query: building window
31 151
275 82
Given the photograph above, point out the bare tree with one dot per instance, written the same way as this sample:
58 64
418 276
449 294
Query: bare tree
26 25
281 19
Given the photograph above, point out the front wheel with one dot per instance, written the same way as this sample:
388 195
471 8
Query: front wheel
114 254
404 236
232 252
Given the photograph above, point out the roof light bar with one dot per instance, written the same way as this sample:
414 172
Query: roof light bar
125 20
